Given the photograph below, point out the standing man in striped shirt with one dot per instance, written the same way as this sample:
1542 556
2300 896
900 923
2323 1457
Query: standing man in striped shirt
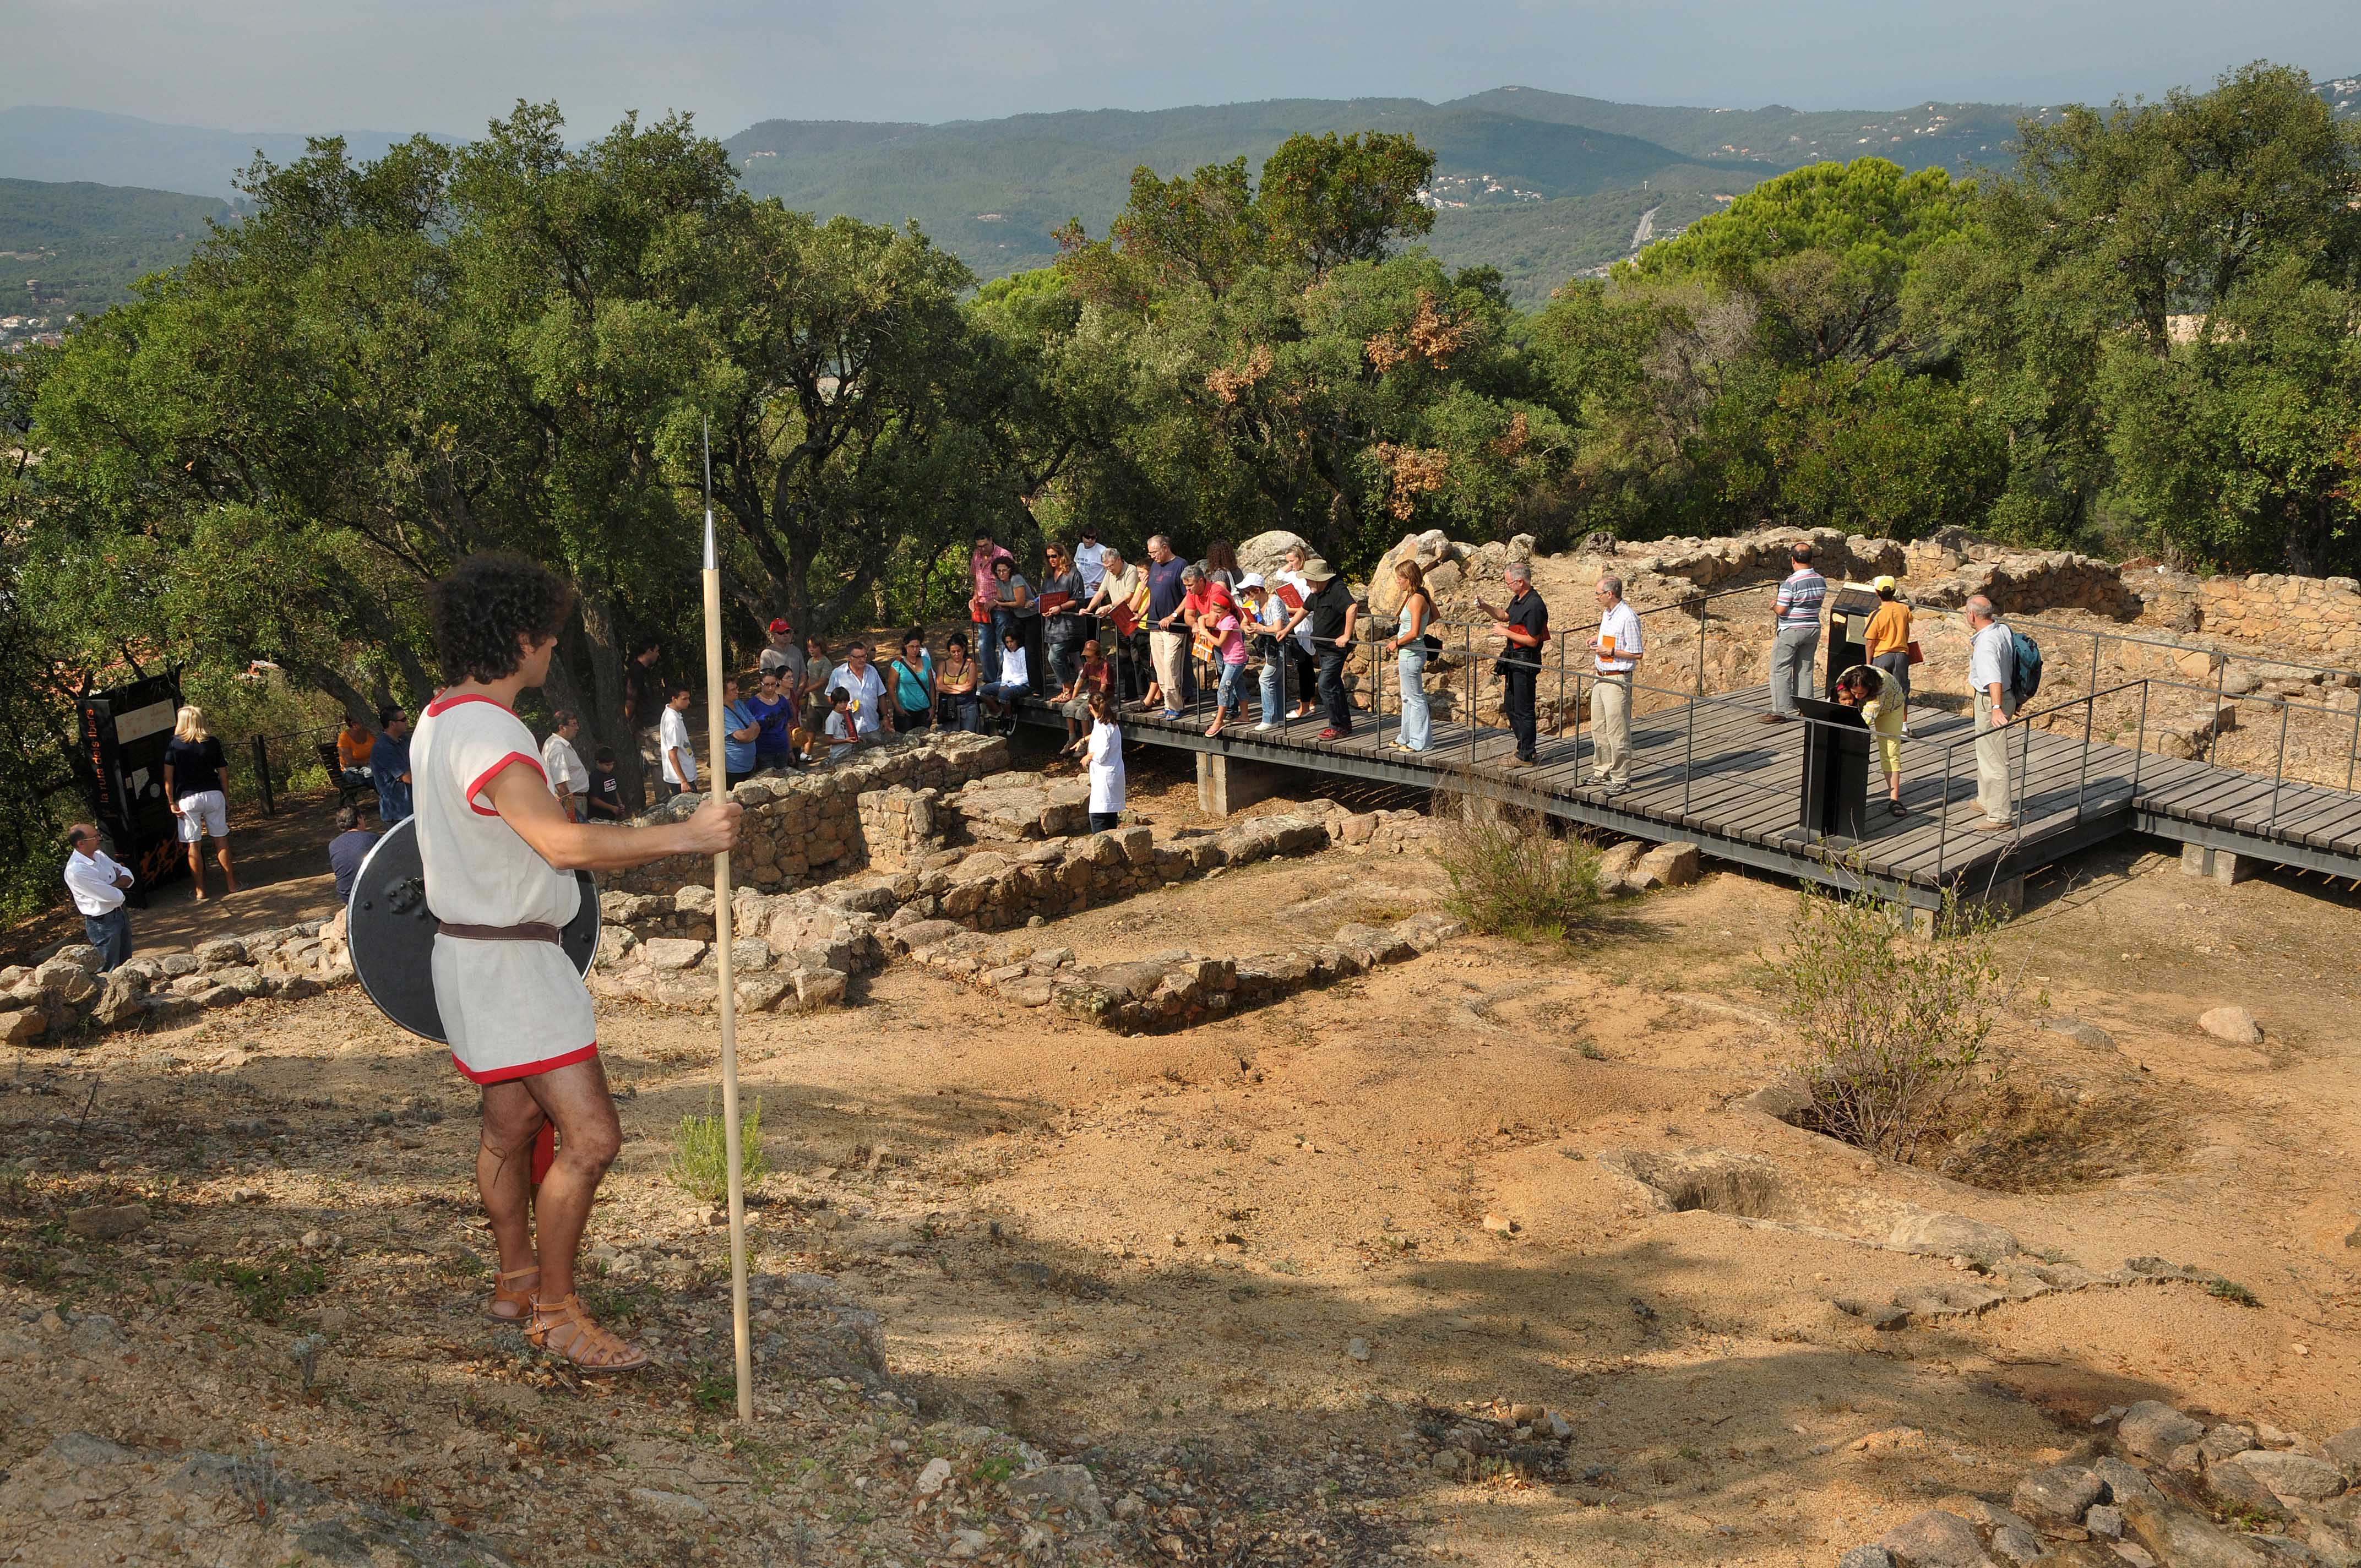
1795 639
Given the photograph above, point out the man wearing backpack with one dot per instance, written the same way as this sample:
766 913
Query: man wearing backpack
1992 672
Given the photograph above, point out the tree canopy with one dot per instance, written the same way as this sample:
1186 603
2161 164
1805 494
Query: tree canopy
2144 335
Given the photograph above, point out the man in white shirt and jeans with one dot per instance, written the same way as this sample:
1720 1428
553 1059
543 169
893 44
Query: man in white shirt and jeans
1992 672
1616 654
97 884
568 779
672 740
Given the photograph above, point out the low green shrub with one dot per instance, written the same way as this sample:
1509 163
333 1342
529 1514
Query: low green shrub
700 1154
1510 874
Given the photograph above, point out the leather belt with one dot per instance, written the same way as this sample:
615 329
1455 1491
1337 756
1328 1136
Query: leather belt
532 931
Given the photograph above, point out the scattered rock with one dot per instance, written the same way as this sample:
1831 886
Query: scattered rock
1357 1348
1070 1487
94 1334
2345 1449
1935 1540
2223 1440
2235 1024
2234 1485
107 1223
1866 1557
2105 1520
931 1479
83 1451
2081 1033
671 1505
2179 1537
2057 1494
1950 1235
2152 1430
2291 1474
1675 864
2123 1480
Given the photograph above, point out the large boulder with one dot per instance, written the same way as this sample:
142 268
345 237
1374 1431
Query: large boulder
1429 550
1267 553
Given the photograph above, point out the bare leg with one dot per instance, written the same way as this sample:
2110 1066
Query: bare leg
504 1169
221 853
197 867
588 1137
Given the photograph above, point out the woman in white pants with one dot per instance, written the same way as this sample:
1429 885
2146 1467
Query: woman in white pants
193 766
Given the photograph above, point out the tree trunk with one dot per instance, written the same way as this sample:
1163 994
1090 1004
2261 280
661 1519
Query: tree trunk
603 655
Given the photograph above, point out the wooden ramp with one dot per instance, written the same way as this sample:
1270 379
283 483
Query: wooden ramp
1709 770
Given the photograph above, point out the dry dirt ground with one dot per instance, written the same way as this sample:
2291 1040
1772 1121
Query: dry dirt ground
1154 1257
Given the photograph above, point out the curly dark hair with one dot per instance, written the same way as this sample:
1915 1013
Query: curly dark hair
486 604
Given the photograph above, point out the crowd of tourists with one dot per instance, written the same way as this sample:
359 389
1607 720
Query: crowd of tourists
1102 634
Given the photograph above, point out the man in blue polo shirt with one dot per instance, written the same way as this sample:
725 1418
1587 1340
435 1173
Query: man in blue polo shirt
1167 632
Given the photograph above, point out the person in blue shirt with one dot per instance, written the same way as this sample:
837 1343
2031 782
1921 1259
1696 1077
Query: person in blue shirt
740 728
774 707
347 850
389 765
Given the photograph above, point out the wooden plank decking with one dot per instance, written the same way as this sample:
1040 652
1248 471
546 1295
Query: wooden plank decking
1712 770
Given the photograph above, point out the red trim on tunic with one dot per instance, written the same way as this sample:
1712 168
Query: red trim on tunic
445 704
528 1069
488 774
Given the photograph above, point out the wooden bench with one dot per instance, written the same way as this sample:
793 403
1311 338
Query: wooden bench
347 792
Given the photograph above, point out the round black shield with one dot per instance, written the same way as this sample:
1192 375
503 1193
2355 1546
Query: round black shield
391 932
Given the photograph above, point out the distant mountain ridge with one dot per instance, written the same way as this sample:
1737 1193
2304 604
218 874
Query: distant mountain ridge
1544 185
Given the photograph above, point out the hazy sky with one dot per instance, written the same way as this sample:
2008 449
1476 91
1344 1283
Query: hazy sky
448 65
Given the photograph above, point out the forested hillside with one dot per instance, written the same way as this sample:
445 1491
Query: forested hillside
995 191
77 248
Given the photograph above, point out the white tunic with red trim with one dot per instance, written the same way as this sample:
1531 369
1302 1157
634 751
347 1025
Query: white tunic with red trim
510 1009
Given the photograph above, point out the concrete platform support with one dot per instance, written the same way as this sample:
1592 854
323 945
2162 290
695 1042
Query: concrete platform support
1227 784
2224 867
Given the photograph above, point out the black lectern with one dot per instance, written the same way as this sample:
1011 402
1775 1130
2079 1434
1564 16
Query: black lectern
1835 770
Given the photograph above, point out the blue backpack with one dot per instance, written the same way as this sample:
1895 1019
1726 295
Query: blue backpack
2025 676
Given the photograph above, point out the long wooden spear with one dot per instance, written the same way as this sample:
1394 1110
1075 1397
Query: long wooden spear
717 755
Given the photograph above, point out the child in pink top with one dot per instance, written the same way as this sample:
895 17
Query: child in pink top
1232 645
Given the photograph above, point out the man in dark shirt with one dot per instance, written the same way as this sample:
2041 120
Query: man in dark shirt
1525 627
1333 613
347 850
389 765
1168 638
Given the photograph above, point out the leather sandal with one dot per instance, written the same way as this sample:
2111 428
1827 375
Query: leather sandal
590 1347
506 1295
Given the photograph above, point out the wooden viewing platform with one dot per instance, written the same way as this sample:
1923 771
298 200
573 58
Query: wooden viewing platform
1708 770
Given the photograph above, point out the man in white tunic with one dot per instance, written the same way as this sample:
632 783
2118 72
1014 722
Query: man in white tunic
500 856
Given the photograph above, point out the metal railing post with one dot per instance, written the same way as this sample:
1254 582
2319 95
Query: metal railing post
2139 745
1943 817
2213 728
2089 715
1577 726
1688 755
2353 750
2279 770
2023 774
1467 639
1557 730
1705 613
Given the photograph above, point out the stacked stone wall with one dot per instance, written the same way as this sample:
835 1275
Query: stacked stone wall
807 826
